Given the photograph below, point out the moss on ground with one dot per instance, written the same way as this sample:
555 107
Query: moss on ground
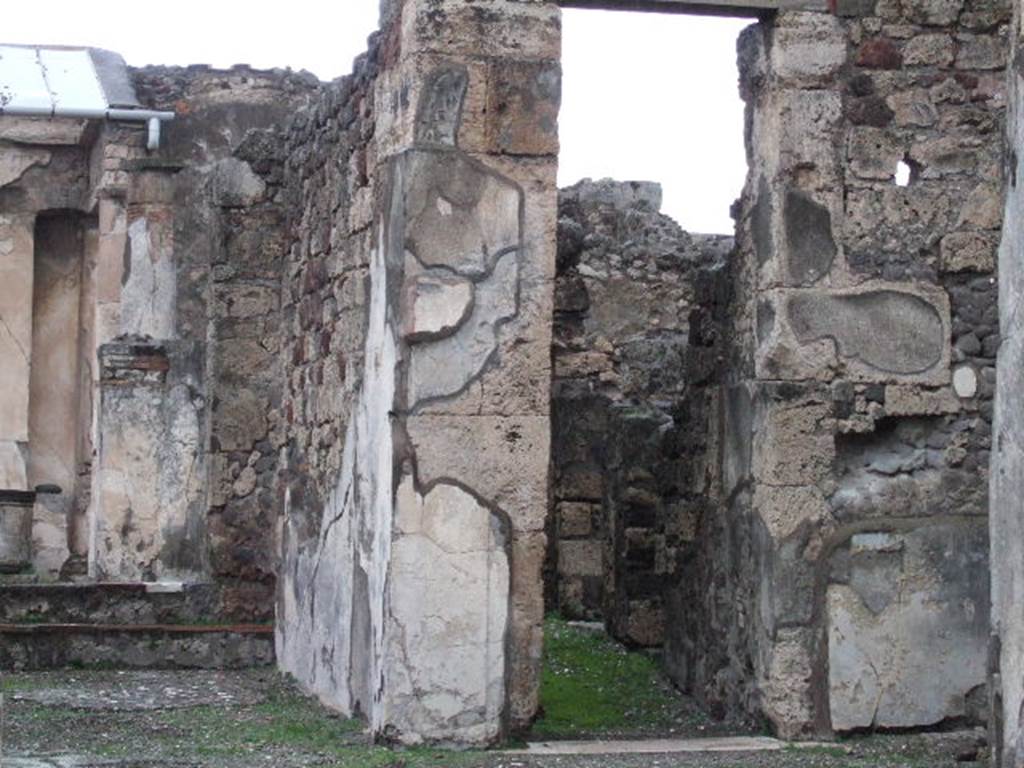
593 686
293 728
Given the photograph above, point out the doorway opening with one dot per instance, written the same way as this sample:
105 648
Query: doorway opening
59 419
651 110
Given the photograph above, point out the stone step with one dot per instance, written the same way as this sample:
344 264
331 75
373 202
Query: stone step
39 646
710 745
111 603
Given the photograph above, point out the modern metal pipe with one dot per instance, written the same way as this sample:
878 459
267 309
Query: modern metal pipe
150 117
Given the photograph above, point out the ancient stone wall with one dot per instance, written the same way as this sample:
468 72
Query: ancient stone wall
225 154
856 415
332 195
169 264
316 347
628 403
417 317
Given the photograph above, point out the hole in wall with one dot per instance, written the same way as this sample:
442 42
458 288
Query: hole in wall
903 174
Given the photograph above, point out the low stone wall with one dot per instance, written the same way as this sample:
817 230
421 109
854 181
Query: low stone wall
38 647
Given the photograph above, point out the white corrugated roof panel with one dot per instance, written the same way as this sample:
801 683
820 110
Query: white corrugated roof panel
71 78
21 78
51 78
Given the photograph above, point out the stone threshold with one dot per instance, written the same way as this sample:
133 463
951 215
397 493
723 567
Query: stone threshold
661 746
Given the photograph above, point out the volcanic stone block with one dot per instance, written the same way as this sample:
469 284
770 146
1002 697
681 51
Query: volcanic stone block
809 48
808 237
440 110
522 113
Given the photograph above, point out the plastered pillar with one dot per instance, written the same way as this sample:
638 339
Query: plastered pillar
16 275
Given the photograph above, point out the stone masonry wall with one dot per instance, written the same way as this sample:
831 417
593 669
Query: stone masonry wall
332 193
176 333
416 312
850 544
221 171
628 405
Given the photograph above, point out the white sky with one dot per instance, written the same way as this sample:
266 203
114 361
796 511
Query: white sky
646 96
654 97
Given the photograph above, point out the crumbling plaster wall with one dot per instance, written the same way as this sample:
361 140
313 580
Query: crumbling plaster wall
1007 513
845 569
224 161
417 333
200 238
180 275
49 173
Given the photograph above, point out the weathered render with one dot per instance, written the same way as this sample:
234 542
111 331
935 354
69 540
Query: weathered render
417 318
1006 663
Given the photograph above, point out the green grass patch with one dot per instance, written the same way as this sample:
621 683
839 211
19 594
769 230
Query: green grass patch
11 683
593 686
292 723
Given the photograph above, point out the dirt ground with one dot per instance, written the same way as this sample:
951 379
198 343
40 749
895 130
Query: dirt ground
81 719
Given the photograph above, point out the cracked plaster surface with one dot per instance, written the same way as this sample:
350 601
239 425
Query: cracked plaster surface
448 610
147 484
15 161
149 282
912 605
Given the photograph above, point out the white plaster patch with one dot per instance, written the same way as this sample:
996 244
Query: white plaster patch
965 381
235 184
320 638
147 484
882 661
148 293
444 367
438 304
875 542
